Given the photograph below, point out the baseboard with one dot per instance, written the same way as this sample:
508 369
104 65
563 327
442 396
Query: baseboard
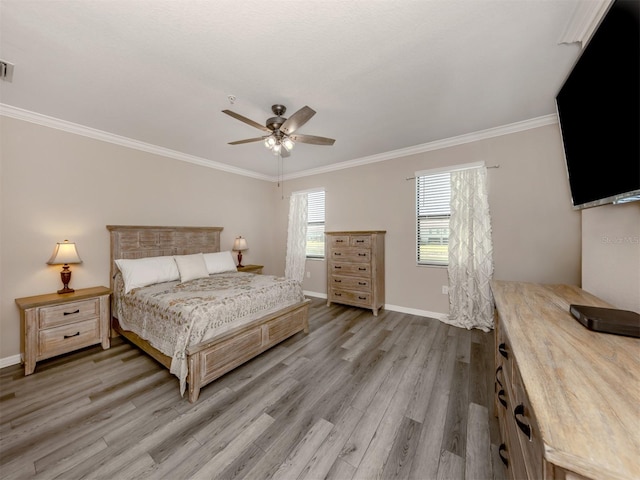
443 317
12 360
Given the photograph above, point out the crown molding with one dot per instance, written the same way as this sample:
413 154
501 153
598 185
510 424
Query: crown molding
44 120
437 145
56 123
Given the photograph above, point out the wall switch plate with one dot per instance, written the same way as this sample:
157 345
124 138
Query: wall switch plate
445 289
308 274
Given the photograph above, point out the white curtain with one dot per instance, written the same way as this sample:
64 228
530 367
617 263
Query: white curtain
296 237
470 251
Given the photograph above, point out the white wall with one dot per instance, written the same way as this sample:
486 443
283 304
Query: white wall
536 233
611 254
57 185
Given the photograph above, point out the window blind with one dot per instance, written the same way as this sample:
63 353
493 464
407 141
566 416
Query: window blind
315 224
433 199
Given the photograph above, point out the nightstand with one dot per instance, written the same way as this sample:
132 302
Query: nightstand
251 268
53 324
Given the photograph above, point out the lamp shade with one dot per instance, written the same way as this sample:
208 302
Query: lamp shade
64 253
240 244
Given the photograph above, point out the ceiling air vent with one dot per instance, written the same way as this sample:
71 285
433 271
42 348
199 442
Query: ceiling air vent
6 71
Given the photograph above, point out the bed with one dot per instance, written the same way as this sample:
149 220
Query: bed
213 332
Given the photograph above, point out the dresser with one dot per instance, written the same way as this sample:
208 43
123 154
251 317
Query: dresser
53 324
355 268
567 398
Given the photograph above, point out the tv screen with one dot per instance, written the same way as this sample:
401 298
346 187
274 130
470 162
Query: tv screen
598 108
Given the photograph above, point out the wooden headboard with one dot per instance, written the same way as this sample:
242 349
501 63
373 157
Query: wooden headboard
135 241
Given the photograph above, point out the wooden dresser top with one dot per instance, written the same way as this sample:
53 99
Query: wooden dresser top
583 386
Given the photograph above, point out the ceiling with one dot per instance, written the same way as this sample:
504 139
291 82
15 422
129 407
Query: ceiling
383 75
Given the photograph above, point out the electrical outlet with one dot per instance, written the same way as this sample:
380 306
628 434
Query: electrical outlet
308 274
445 289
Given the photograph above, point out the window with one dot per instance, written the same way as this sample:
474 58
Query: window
315 224
433 200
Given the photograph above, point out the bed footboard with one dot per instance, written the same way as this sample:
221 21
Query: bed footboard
212 359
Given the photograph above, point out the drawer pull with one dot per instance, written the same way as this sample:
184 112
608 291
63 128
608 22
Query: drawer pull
338 294
362 254
498 370
362 269
362 283
71 313
526 429
77 334
339 241
359 241
337 281
337 267
502 348
505 460
362 298
337 254
501 398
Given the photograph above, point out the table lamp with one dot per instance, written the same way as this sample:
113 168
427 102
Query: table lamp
240 245
64 254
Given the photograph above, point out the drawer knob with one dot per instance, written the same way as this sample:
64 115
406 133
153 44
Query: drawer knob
77 334
501 450
501 398
502 348
71 313
526 429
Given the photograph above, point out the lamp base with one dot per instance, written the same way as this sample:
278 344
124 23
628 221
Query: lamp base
240 259
65 275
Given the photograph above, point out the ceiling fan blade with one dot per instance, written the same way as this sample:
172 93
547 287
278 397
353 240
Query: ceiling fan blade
296 120
248 140
312 139
237 116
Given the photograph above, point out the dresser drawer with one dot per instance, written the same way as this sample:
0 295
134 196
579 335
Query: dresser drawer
361 270
351 283
68 313
355 255
338 241
355 298
362 241
57 340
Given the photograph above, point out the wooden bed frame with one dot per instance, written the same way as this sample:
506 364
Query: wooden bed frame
213 358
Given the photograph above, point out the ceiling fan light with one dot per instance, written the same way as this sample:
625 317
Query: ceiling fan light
288 144
270 142
276 149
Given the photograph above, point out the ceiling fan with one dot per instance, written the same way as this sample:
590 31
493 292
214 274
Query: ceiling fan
281 138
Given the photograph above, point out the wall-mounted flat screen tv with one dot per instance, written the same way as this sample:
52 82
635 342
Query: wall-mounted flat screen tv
598 109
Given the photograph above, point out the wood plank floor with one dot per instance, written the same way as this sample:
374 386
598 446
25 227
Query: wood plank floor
359 397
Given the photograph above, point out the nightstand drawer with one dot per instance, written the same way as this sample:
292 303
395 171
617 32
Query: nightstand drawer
66 338
69 313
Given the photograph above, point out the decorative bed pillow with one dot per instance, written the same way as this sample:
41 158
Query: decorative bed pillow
140 272
191 266
220 262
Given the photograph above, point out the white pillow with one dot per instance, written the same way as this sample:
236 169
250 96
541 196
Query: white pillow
140 272
191 266
220 262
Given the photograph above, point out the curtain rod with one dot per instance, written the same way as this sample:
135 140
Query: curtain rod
490 166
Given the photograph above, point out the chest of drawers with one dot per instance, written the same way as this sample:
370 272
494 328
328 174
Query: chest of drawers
54 324
355 268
